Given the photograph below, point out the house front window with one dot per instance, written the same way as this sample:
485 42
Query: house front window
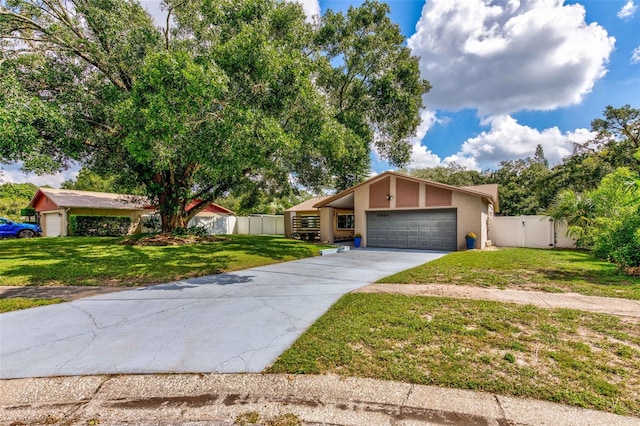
346 221
309 222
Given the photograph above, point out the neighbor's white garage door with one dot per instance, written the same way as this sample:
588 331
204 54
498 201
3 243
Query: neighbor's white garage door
418 229
52 225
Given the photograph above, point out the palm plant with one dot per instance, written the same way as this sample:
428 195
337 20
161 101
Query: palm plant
578 211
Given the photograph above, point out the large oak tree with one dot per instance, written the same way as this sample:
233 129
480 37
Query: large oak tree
228 94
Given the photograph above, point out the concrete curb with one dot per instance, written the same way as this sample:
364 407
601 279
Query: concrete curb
195 399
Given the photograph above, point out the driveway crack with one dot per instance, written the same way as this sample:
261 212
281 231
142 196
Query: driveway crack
288 316
78 353
87 313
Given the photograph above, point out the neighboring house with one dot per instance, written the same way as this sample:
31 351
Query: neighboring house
396 211
215 219
212 210
56 206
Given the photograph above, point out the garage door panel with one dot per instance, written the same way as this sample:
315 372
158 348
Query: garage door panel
52 225
426 229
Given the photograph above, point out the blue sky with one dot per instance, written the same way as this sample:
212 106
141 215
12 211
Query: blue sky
507 75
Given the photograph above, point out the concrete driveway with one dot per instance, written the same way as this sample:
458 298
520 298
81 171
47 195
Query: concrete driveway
229 323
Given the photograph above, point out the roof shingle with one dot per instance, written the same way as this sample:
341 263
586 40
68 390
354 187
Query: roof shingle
67 198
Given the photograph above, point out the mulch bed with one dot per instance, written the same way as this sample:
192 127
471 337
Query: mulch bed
171 240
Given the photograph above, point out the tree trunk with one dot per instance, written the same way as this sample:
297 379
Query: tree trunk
172 207
173 221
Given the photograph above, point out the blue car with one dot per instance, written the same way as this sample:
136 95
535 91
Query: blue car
9 228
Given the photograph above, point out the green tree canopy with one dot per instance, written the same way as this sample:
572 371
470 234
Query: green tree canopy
452 174
14 197
522 184
88 180
233 94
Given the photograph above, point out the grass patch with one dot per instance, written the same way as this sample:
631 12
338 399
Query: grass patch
14 304
528 269
566 356
104 261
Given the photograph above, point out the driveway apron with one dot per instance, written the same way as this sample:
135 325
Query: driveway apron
228 323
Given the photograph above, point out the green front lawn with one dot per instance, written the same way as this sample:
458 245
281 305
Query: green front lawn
14 304
528 269
571 357
103 261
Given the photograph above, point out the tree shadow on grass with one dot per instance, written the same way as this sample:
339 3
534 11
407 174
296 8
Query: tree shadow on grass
90 261
82 262
590 277
272 247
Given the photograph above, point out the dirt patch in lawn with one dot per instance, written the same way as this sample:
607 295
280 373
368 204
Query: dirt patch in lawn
629 310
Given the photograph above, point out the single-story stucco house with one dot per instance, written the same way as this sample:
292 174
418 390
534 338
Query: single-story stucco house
55 206
393 210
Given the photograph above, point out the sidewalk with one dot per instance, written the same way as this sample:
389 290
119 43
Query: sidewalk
606 305
199 399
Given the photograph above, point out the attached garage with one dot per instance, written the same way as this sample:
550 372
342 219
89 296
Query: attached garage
418 229
392 210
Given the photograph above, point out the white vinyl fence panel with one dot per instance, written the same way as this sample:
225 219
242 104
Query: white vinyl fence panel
260 225
215 225
224 225
562 240
528 231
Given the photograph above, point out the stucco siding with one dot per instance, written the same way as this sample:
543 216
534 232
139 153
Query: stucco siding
288 224
360 204
470 211
327 218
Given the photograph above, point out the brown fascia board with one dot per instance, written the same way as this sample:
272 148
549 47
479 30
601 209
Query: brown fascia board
339 195
39 193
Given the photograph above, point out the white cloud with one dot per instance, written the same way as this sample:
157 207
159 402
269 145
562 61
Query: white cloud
311 7
509 140
635 56
13 174
507 55
628 10
421 156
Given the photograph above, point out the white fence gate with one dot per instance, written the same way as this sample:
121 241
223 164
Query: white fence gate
528 231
